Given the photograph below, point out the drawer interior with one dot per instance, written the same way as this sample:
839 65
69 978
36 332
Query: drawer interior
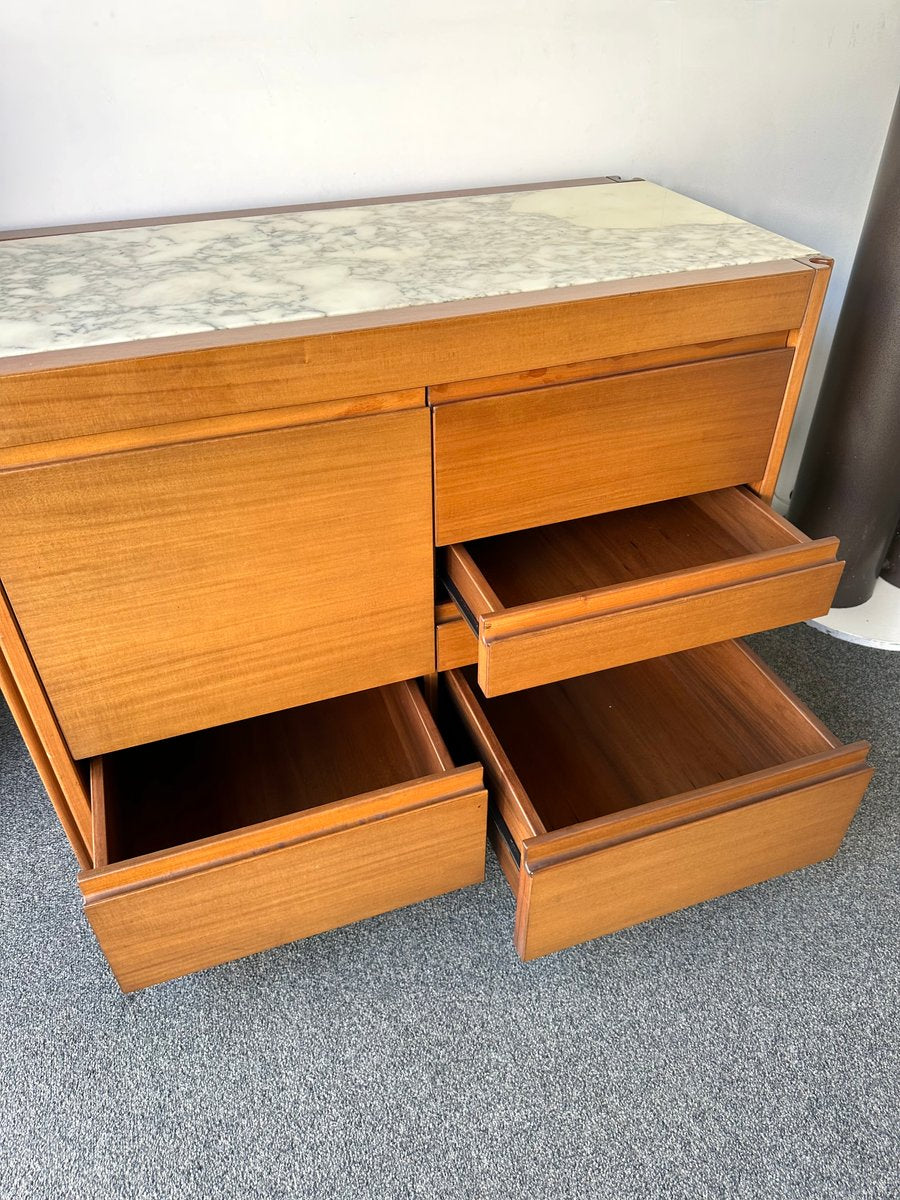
533 565
605 743
199 785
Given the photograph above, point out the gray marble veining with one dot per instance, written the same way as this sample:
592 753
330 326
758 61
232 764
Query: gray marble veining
88 289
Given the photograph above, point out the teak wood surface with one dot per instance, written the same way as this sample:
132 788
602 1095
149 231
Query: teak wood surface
640 790
334 857
169 589
531 458
455 643
595 593
802 340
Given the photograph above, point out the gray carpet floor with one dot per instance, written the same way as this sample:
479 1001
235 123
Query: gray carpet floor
749 1047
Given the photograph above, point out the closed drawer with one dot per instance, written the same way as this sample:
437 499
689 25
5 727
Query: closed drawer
218 844
552 454
598 592
170 588
634 792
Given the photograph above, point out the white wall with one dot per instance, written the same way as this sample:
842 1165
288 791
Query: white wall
773 109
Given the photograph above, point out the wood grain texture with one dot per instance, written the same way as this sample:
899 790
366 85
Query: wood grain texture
595 593
27 700
554 454
595 643
167 590
181 432
455 643
634 881
507 790
561 845
109 388
13 697
224 842
802 340
599 368
195 920
508 864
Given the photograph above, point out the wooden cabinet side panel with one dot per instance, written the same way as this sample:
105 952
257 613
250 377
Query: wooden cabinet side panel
30 709
802 339
595 894
192 585
150 934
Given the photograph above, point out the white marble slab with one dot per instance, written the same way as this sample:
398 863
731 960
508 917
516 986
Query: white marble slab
88 289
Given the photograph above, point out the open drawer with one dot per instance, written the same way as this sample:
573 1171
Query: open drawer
623 795
594 593
216 844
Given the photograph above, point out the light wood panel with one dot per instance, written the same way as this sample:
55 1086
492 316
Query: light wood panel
802 340
290 890
596 593
642 789
637 880
554 454
600 368
204 784
181 432
31 711
104 389
455 643
186 586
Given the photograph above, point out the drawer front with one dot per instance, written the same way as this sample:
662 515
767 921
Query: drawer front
587 896
418 843
176 587
769 574
552 454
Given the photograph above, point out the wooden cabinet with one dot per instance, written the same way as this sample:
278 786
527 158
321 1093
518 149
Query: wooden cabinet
241 543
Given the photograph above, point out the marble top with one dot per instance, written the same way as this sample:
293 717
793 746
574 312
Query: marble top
72 290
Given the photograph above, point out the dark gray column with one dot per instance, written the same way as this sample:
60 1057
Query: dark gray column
849 479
